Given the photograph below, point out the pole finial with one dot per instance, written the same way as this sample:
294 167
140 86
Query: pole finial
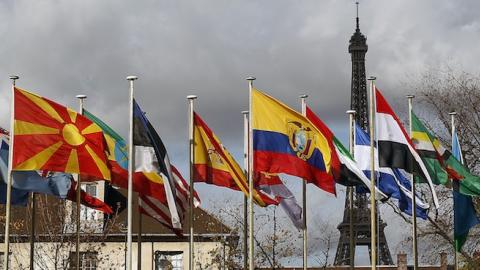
132 78
410 96
191 97
452 113
372 78
303 96
244 112
81 96
14 77
250 78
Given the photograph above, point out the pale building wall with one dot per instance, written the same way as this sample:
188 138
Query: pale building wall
110 255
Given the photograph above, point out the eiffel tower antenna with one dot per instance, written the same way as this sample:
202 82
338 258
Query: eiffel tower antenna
358 20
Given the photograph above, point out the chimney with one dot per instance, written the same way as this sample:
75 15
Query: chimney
402 261
443 261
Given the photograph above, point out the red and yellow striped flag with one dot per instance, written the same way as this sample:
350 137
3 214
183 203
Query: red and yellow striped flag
214 164
48 136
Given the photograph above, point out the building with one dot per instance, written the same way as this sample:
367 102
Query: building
55 239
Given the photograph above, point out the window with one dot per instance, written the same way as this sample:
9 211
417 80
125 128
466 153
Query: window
87 213
168 260
88 260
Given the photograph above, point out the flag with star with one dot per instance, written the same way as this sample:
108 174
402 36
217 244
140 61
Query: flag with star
49 136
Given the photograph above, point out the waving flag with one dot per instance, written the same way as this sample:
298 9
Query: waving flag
214 164
145 183
159 210
344 168
48 136
273 185
464 214
441 164
395 149
284 141
151 157
391 181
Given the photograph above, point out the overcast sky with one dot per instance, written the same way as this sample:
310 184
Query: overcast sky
208 48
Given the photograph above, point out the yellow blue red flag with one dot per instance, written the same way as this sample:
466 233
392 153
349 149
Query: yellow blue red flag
284 141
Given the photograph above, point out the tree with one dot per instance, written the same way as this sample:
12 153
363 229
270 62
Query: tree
440 91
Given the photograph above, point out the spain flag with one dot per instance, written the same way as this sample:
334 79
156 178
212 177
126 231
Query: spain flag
48 136
214 164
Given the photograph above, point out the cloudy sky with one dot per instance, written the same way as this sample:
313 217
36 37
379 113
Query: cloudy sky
64 48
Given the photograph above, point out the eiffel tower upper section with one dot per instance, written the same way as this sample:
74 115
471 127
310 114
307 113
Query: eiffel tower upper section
359 100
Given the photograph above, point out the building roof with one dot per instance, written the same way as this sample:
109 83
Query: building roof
50 221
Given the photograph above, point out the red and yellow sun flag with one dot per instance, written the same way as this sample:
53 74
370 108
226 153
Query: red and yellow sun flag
48 136
214 165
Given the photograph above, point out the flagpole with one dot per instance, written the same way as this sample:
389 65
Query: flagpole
32 228
245 198
81 99
9 178
351 118
452 118
414 197
131 163
373 221
139 239
250 174
191 134
304 197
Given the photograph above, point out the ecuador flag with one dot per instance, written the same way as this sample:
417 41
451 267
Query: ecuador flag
48 136
284 141
214 164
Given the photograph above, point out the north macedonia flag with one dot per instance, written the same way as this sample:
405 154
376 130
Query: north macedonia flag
48 136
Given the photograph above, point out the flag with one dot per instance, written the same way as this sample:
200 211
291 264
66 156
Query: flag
87 200
151 157
160 211
273 185
431 151
440 163
344 168
49 136
284 141
18 196
215 165
464 215
146 183
114 199
391 181
23 182
395 149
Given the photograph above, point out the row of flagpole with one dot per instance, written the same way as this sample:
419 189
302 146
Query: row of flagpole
248 150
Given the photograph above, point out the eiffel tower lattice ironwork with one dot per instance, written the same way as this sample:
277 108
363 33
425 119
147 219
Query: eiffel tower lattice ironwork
361 203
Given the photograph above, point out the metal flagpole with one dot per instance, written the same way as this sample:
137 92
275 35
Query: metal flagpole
351 124
32 228
191 99
373 221
81 99
304 196
131 164
9 179
245 198
251 265
452 117
414 198
139 239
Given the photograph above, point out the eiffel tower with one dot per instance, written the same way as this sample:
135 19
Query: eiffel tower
361 203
